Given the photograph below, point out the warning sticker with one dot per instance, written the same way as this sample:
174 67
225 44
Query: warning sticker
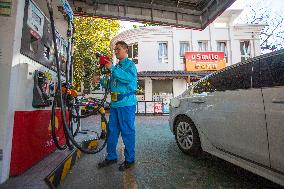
5 7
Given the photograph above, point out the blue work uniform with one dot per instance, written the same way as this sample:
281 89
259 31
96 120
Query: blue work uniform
123 81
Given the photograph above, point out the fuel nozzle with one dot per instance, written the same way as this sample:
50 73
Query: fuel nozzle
103 60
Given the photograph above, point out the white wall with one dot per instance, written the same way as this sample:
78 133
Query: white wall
244 33
148 54
148 89
178 36
8 79
257 46
179 86
236 53
220 35
200 36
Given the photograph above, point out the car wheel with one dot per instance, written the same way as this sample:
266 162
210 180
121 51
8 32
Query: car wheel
187 136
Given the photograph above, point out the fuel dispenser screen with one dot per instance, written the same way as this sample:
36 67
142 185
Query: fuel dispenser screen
37 41
35 20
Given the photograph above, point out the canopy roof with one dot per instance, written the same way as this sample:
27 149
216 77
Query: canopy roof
195 14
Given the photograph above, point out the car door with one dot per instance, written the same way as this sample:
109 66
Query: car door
272 84
234 120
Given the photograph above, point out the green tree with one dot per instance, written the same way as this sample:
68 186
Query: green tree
144 25
91 35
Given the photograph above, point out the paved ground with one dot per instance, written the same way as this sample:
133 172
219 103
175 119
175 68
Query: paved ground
160 164
33 178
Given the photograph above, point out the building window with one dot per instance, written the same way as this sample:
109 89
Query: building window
222 46
245 50
163 52
184 47
133 52
202 45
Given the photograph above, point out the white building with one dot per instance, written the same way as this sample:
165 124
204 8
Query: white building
159 51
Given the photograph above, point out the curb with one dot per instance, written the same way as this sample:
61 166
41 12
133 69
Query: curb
58 175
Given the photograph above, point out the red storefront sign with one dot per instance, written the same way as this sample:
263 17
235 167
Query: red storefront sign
204 61
32 140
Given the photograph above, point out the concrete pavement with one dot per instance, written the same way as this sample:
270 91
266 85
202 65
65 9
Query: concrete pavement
160 164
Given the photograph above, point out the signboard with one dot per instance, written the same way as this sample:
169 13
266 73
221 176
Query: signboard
35 20
152 107
141 107
5 7
149 107
204 61
158 107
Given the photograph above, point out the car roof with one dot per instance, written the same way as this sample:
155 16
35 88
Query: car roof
268 55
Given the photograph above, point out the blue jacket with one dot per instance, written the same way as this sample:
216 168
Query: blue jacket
123 80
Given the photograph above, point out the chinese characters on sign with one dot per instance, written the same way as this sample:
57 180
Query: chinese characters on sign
204 61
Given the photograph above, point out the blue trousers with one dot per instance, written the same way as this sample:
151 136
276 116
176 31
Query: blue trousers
121 120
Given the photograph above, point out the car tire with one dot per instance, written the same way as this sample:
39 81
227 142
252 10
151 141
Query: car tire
187 137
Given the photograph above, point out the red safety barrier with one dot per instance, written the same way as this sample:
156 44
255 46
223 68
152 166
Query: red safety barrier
32 139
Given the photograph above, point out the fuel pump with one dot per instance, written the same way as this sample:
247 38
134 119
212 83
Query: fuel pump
39 76
68 98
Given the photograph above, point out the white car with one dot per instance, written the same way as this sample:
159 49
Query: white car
236 114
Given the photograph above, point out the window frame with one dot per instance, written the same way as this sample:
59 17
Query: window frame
226 56
245 57
182 57
203 42
131 52
163 59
